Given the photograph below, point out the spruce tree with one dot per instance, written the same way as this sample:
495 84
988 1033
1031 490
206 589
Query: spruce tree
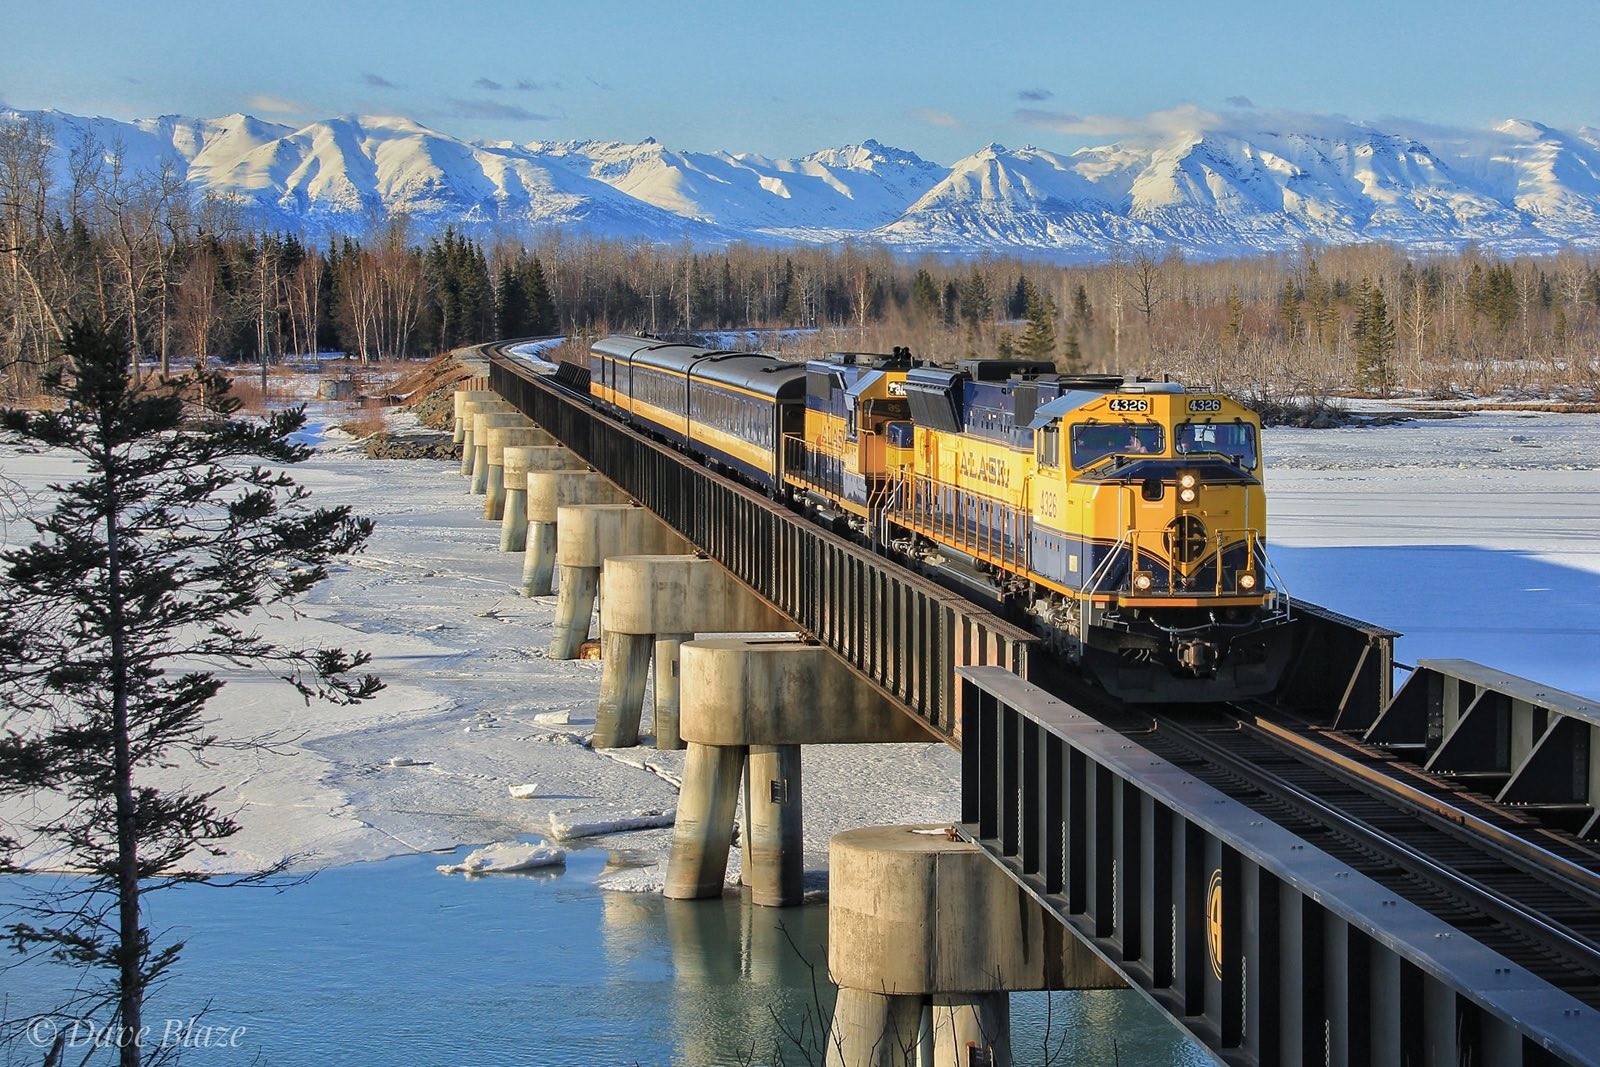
1039 339
142 582
925 294
1375 340
1082 311
511 313
1072 351
542 318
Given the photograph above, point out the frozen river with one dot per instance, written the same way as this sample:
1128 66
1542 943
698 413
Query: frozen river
1478 538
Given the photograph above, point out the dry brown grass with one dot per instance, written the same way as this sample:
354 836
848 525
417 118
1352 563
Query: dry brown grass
363 425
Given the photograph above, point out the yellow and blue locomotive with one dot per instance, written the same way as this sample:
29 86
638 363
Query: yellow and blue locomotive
1126 519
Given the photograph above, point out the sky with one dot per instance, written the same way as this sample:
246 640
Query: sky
940 78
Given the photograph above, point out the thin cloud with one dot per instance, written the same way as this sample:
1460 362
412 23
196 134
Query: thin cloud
602 86
129 79
488 83
1186 118
377 81
275 105
1240 101
1034 95
524 85
492 109
934 117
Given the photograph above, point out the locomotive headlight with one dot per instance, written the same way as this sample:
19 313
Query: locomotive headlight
1187 493
1247 581
1186 481
1142 582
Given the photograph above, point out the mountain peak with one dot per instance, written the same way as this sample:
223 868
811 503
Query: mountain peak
1519 188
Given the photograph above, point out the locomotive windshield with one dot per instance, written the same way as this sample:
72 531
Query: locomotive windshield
1236 440
1092 442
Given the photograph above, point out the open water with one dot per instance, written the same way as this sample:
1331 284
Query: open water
393 963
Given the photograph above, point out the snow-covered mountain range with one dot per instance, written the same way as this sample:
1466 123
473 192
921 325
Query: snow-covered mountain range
1520 187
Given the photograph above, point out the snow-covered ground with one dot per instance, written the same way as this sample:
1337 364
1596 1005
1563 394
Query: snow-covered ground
1478 537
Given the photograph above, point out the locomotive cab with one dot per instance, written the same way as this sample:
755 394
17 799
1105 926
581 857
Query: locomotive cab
1148 537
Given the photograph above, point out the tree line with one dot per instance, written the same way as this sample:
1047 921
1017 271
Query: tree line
186 279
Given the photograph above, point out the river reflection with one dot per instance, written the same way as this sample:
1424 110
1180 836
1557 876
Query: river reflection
391 962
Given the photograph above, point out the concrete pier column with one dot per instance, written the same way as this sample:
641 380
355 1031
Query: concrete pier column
874 1030
625 664
968 1026
769 695
587 536
703 832
549 490
458 429
501 438
470 410
669 597
774 830
514 514
482 423
918 912
668 690
574 609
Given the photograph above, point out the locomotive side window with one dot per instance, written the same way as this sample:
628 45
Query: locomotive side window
1235 440
1048 449
1092 442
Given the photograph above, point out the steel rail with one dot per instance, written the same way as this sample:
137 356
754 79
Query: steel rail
1491 902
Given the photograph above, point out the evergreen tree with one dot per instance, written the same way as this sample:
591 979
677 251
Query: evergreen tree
1375 340
1072 351
139 586
925 294
976 306
1017 303
542 318
952 303
1082 312
1233 329
511 313
1039 339
1289 310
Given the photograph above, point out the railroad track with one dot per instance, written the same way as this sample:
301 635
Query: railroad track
1537 907
1529 894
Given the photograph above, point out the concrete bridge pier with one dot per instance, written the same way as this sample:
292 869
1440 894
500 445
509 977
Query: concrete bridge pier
550 490
482 423
500 439
514 511
753 702
650 606
917 915
470 410
459 427
587 536
874 1030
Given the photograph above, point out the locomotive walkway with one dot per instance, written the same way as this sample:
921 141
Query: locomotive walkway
1263 932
